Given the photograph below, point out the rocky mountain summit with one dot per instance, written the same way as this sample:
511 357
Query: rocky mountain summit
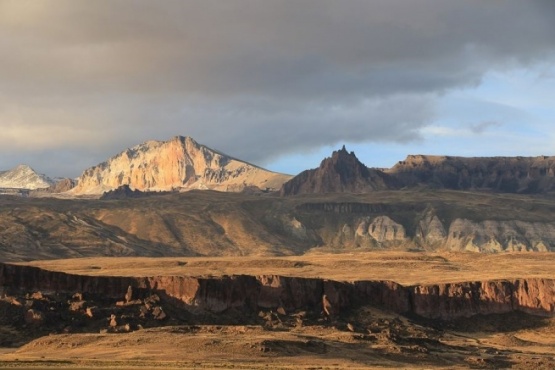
183 164
178 164
340 173
344 173
24 177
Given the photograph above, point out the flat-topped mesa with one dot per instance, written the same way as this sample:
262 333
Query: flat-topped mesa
545 163
343 172
248 294
179 163
500 174
419 161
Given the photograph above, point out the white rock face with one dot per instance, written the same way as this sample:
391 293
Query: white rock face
24 177
488 236
430 229
499 236
180 163
381 229
384 229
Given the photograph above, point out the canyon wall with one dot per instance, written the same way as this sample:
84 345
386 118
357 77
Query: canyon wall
248 294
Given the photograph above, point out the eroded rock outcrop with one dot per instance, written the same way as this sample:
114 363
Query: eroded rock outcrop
384 229
340 173
498 236
61 186
249 294
430 229
446 301
430 233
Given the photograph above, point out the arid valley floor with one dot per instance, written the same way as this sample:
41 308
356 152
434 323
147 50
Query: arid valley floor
441 262
363 337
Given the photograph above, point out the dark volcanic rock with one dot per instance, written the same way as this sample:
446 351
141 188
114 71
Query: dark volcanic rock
342 172
125 191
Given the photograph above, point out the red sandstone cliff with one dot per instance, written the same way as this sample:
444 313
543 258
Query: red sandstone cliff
250 293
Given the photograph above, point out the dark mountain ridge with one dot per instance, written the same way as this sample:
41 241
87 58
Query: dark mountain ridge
340 173
343 172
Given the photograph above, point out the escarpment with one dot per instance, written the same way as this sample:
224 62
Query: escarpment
248 294
499 174
343 172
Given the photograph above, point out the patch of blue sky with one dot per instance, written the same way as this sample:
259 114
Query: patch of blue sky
510 113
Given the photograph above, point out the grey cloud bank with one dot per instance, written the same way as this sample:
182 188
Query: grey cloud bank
255 79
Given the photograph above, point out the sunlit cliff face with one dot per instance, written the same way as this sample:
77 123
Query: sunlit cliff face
180 163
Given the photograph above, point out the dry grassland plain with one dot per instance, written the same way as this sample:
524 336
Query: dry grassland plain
488 342
407 268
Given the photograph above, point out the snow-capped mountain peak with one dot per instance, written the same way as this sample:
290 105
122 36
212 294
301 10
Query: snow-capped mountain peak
24 177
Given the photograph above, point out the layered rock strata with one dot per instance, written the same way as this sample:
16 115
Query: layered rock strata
391 228
247 294
500 174
343 172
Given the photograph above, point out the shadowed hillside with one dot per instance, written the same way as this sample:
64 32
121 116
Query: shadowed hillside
343 172
214 224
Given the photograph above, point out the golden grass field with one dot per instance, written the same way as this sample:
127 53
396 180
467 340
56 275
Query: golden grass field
406 268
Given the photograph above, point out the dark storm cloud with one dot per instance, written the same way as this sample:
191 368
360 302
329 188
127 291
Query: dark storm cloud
252 78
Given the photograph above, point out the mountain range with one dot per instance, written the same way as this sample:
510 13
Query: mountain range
343 172
183 164
232 207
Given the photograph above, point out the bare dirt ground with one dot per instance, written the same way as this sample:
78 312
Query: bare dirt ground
377 339
310 347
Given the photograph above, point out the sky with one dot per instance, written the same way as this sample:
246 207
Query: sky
277 83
